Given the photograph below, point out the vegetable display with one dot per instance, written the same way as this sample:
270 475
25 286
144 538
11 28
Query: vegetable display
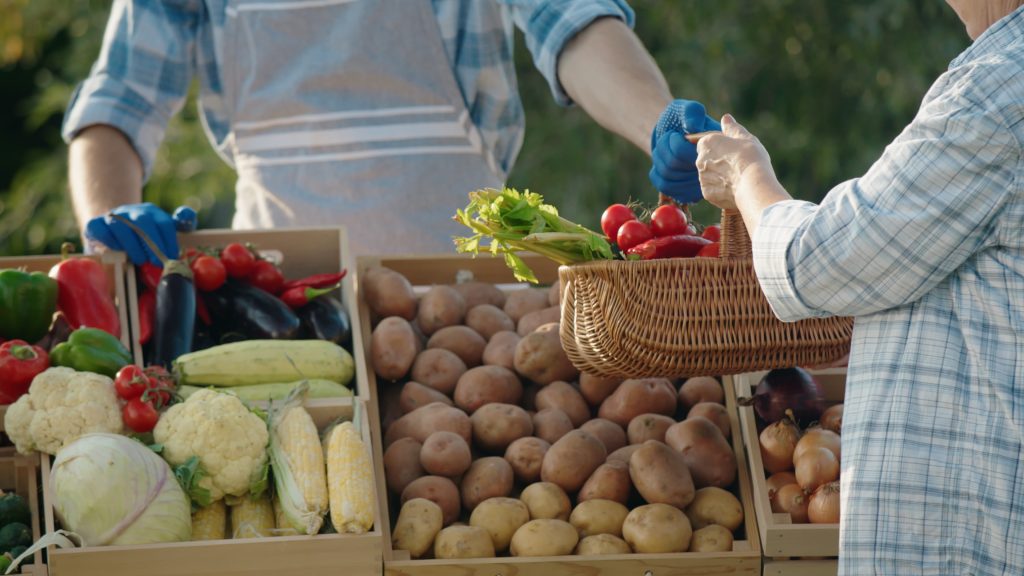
27 303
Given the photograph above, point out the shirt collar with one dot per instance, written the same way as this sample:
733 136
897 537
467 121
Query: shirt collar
1007 30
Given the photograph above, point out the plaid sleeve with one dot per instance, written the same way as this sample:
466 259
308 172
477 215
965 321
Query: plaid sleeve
142 75
549 25
885 239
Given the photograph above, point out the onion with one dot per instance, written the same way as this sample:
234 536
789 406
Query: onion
815 467
818 437
787 389
823 507
778 480
832 419
778 441
790 499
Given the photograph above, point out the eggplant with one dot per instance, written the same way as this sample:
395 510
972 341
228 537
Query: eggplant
237 308
175 314
325 318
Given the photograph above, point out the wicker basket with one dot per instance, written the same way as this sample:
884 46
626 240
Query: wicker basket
686 317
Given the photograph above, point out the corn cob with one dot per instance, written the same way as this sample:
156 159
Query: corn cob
283 528
210 522
297 459
253 518
349 479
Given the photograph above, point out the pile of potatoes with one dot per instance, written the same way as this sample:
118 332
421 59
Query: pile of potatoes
495 444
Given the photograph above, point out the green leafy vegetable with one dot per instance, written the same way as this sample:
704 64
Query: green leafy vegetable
188 475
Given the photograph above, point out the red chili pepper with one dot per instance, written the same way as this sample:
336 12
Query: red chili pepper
147 315
83 293
316 281
679 246
20 362
301 295
202 312
150 274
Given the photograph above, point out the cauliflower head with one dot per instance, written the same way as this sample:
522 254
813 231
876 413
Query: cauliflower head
229 440
60 406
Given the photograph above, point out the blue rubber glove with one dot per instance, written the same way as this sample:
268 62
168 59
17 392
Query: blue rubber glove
674 169
160 226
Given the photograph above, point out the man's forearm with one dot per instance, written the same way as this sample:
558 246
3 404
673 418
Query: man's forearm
608 72
104 172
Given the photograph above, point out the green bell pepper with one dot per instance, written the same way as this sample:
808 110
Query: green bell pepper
92 350
27 304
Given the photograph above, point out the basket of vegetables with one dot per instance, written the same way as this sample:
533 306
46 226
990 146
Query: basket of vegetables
659 308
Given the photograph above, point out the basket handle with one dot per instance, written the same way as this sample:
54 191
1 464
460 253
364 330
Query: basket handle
735 240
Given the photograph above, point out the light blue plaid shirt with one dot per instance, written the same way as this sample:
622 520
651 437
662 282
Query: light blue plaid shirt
927 251
152 49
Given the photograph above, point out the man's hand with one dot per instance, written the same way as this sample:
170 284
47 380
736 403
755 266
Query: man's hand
161 227
674 171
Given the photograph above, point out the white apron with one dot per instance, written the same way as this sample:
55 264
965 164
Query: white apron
347 112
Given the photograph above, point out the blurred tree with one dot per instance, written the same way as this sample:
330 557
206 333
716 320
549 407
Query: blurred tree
825 85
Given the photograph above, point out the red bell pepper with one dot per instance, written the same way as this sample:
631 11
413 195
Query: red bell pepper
679 246
147 314
150 274
83 293
301 295
316 281
20 362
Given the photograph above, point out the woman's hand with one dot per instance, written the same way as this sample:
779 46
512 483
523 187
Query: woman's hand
725 159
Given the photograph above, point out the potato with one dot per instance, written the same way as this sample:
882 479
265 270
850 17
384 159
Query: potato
599 517
393 348
595 389
388 293
716 413
445 454
439 369
464 342
544 537
501 349
402 464
488 477
500 517
657 529
635 397
648 427
563 396
609 482
418 523
525 456
519 303
477 293
623 454
700 389
389 402
555 294
707 453
441 306
713 505
497 425
602 544
572 460
485 385
538 318
439 490
546 500
415 395
551 424
539 357
487 320
463 542
609 433
422 422
711 538
660 475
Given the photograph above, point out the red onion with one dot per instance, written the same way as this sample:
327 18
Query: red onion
787 389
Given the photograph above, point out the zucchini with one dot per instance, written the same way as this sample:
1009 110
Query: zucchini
265 362
279 390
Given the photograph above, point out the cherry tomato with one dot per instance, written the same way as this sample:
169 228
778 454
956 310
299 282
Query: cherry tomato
613 218
130 382
668 220
238 260
208 273
139 416
710 251
632 233
713 233
267 276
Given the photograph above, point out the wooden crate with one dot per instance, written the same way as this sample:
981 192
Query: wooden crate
19 474
783 542
322 554
745 558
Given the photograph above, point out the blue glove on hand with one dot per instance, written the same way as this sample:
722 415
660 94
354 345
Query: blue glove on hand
161 228
674 170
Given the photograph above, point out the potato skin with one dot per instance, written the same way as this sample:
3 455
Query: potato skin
456 542
500 517
712 505
402 464
623 454
539 357
538 318
711 538
657 529
639 396
415 395
418 523
422 422
648 427
501 349
551 424
700 389
445 454
546 500
525 456
660 475
393 348
544 537
519 303
571 460
555 294
485 385
609 433
596 389
599 517
609 482
441 306
497 425
488 477
716 413
602 544
488 320
438 368
476 293
462 341
439 490
388 293
708 455
563 396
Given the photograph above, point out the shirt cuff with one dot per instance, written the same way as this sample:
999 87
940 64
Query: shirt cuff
780 224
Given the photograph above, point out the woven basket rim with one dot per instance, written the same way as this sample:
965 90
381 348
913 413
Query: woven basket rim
657 263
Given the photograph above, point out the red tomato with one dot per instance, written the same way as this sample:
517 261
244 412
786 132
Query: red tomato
160 385
130 382
710 251
668 220
613 218
139 416
208 273
266 276
238 260
632 233
713 233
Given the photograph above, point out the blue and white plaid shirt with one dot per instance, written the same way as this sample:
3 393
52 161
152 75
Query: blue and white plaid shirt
152 49
927 251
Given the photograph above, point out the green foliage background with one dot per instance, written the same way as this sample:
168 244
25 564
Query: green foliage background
825 85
